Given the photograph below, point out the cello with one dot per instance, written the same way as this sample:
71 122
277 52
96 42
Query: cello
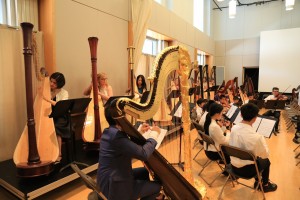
174 184
37 148
95 120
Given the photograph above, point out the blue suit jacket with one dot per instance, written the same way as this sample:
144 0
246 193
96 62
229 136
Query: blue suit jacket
114 175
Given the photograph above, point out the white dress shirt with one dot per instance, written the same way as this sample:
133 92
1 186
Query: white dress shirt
217 134
270 97
199 112
245 137
62 95
202 119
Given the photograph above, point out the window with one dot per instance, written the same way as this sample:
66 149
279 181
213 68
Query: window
201 59
153 46
199 14
13 12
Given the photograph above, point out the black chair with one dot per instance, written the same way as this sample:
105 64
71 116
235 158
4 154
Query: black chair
89 182
209 141
199 141
243 155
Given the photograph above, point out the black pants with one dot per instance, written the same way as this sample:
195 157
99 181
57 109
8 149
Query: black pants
212 155
275 114
250 171
144 188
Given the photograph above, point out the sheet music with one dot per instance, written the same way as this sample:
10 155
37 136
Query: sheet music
178 112
160 137
231 111
266 127
238 118
256 123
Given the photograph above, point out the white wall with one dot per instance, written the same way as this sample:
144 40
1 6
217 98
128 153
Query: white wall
237 40
74 23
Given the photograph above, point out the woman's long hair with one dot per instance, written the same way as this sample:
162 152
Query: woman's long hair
144 85
213 109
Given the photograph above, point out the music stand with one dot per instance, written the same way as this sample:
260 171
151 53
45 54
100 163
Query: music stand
275 104
68 108
179 163
259 103
144 97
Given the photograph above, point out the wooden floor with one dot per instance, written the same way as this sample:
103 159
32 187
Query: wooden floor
283 172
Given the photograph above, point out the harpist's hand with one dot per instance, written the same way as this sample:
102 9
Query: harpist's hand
145 127
156 128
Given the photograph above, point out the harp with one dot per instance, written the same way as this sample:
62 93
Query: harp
174 184
95 121
37 148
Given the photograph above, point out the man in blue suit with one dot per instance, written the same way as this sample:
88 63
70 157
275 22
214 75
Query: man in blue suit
116 178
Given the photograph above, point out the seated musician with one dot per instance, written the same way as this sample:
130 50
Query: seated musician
57 81
199 108
219 93
250 96
105 90
224 102
236 101
245 137
141 86
205 110
275 96
212 127
115 177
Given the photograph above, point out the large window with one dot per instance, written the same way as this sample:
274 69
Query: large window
13 12
198 21
153 46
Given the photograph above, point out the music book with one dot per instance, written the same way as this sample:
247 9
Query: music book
232 113
275 104
160 137
263 125
178 112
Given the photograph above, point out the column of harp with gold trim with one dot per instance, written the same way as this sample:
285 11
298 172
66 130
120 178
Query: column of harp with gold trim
174 184
37 148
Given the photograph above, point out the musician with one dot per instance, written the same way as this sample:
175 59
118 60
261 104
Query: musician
219 93
236 101
224 102
250 96
275 96
57 81
105 90
199 108
205 110
141 85
115 177
213 128
245 137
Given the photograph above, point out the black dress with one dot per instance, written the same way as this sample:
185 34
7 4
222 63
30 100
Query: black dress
62 125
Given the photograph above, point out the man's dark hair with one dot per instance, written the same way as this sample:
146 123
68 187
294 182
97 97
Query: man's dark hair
236 98
249 111
249 94
109 117
222 96
207 105
199 101
275 88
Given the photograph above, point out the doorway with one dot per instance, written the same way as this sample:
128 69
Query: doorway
253 73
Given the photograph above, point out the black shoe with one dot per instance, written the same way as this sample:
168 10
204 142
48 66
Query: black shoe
221 162
270 187
296 140
225 173
276 130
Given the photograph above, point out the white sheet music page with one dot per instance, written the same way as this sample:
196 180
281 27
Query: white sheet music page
238 118
160 137
266 127
255 125
178 112
231 111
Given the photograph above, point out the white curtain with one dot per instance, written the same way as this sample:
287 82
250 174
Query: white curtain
141 12
12 88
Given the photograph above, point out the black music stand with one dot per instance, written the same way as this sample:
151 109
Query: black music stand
275 104
68 108
259 103
180 163
144 97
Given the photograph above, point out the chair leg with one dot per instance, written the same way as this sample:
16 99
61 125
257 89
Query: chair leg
206 164
223 188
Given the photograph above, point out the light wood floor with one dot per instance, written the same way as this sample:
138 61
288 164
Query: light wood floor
283 172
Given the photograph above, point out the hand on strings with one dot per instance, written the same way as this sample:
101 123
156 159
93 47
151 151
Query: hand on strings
145 127
155 128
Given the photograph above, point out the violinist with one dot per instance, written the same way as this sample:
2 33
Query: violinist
236 101
199 108
275 96
249 97
224 102
219 93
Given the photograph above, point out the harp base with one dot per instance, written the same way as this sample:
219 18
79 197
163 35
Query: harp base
33 170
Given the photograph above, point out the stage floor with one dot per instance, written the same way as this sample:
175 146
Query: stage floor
30 188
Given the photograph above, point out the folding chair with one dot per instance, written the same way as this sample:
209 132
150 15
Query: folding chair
209 141
89 182
199 141
243 155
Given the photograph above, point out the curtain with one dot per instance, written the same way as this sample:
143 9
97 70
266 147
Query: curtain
12 87
141 12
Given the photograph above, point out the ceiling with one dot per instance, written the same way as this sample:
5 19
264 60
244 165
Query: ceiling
224 4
